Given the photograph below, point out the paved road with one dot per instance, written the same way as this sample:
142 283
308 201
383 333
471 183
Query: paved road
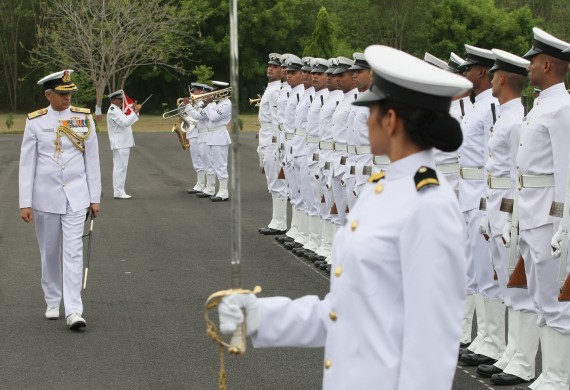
155 260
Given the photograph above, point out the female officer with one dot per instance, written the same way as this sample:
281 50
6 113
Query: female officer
392 319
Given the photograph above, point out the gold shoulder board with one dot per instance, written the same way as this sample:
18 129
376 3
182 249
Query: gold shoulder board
376 177
37 113
425 177
80 109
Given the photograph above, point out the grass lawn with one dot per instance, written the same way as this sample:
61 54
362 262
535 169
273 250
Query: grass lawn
146 123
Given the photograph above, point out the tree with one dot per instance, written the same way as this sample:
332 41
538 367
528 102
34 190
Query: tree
478 23
323 39
109 39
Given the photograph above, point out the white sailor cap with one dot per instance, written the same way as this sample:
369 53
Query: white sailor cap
320 65
508 62
431 59
283 59
119 94
307 64
59 81
477 56
545 43
454 63
332 63
401 77
274 59
294 63
219 84
359 62
194 86
343 65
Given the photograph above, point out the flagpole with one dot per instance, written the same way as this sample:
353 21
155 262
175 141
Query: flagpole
235 198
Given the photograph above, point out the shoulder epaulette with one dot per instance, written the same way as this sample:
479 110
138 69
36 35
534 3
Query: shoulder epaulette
425 177
80 109
37 113
375 178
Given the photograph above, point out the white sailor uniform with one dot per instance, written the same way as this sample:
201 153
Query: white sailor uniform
121 137
218 140
382 313
60 188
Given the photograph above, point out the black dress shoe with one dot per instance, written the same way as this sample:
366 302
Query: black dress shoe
291 244
218 199
306 253
474 359
464 351
487 370
503 379
323 266
328 269
267 231
285 238
320 258
202 195
464 345
318 263
298 251
192 191
521 388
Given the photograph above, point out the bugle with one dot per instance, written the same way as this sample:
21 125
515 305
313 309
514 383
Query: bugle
257 101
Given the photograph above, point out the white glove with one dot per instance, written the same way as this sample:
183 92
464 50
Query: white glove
555 244
484 227
506 236
231 314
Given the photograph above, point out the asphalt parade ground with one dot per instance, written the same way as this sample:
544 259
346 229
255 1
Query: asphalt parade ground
155 259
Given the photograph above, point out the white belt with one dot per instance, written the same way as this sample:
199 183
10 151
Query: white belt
351 149
300 132
312 139
381 160
364 149
448 168
204 130
325 145
340 146
265 125
469 173
499 182
289 136
536 181
219 128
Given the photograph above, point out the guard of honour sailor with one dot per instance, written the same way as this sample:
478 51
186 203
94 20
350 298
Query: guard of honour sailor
119 128
398 271
59 183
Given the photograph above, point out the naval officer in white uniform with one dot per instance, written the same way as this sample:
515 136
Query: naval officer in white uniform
398 273
122 140
60 181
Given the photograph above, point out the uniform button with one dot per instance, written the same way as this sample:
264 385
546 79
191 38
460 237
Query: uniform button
328 364
338 271
333 316
520 144
379 188
354 225
62 168
63 184
489 155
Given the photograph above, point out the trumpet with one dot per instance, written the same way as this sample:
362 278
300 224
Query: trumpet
257 101
216 96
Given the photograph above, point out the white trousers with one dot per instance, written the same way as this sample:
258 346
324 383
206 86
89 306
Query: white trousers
120 165
195 155
272 166
219 161
315 190
60 242
479 268
204 152
339 195
542 278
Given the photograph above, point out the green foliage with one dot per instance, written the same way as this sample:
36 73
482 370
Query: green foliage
323 38
10 120
203 74
479 23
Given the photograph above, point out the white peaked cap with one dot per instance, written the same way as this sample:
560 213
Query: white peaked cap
508 62
431 59
405 78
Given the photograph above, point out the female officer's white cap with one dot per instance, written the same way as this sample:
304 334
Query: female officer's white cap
401 77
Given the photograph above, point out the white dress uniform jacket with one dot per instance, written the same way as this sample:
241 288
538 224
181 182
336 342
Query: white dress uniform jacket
46 183
476 128
219 115
543 150
299 143
502 148
397 290
267 110
339 130
326 127
119 127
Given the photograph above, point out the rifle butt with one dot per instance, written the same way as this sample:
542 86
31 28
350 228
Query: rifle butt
518 277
